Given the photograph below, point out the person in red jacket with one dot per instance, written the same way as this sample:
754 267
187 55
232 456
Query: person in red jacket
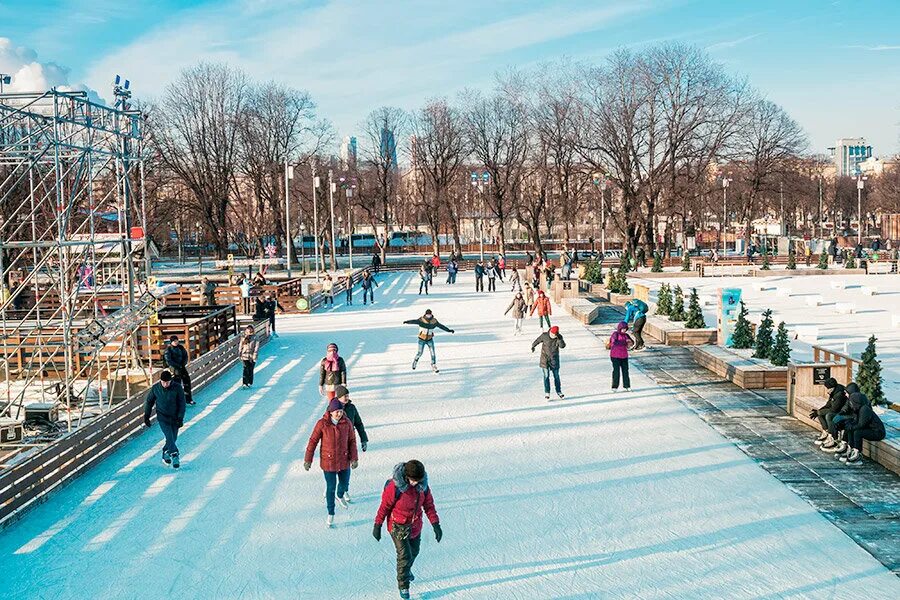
337 456
404 498
542 306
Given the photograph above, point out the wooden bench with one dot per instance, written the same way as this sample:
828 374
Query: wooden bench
879 268
582 309
676 334
869 290
727 270
748 373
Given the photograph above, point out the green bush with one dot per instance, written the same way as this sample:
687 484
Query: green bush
686 261
781 351
657 263
868 376
792 258
743 332
823 261
593 271
664 300
695 313
850 263
764 335
677 312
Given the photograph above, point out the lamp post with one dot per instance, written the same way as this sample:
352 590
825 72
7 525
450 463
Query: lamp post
199 250
331 187
315 217
725 182
302 249
5 79
349 193
860 184
288 175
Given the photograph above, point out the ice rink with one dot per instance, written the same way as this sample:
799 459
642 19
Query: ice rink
600 495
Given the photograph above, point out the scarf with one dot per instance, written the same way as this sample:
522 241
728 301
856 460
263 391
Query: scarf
331 364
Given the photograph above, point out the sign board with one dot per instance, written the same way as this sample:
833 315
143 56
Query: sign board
820 375
729 307
302 304
248 262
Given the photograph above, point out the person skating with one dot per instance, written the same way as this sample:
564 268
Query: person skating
864 424
492 273
529 297
837 397
636 309
452 269
352 415
337 456
405 496
176 358
435 267
348 300
328 289
479 276
542 306
427 324
429 270
208 292
270 305
618 345
332 371
167 396
550 342
515 281
424 279
501 267
367 284
248 351
518 307
376 261
244 285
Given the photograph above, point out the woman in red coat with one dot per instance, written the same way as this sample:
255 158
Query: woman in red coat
337 456
404 498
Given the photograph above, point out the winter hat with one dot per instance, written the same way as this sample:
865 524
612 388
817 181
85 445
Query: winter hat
852 388
857 400
173 338
334 405
622 326
428 312
332 346
340 391
831 383
414 469
554 330
165 376
540 292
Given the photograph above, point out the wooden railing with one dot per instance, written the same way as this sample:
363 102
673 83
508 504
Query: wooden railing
29 480
200 329
844 362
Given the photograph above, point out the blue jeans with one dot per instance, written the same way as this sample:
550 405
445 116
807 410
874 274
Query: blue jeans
422 344
335 479
370 293
555 371
171 433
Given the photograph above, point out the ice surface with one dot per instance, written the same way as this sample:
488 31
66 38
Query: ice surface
601 495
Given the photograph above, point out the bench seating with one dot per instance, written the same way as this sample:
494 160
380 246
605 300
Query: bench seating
886 452
748 373
676 334
582 309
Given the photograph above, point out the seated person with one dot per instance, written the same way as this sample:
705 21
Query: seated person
863 425
837 397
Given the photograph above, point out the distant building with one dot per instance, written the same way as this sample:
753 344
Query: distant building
388 148
876 166
848 153
348 152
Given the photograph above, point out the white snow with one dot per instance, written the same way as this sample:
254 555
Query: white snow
600 495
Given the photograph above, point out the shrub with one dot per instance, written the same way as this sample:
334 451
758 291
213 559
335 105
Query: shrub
764 335
823 261
664 300
743 332
781 351
868 376
677 312
695 313
686 261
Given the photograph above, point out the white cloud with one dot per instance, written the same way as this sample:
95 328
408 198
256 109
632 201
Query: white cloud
732 43
31 75
878 48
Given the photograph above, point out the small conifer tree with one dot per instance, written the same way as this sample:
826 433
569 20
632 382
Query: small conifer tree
743 332
868 376
695 313
657 263
823 261
664 300
677 312
764 335
781 351
686 261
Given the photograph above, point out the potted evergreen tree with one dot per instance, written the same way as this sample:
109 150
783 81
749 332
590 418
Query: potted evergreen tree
686 261
780 353
677 312
764 335
743 331
868 376
657 263
823 261
695 313
792 258
664 300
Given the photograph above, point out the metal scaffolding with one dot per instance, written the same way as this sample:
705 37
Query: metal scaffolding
73 250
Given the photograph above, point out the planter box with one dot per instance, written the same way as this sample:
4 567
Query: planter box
831 270
582 309
748 373
676 334
619 299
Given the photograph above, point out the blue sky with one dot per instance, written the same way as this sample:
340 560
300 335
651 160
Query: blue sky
834 65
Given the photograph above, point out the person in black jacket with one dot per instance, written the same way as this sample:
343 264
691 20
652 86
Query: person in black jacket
836 440
479 277
550 342
367 282
352 414
864 424
269 306
836 397
168 398
332 372
492 272
176 357
427 324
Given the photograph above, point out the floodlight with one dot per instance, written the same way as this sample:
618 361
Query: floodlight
118 80
127 83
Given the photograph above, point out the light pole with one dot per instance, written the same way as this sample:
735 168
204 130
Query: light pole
603 187
5 79
315 217
199 250
860 184
302 249
331 187
821 226
725 182
350 225
288 175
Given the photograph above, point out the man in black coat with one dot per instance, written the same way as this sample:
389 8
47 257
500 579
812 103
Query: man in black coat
479 277
168 398
837 396
176 357
551 342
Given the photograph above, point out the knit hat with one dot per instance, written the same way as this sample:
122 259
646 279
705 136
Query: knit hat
413 469
540 292
554 330
831 383
165 376
340 391
852 388
332 346
428 312
334 405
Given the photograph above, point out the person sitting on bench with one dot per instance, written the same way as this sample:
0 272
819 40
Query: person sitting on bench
837 397
863 425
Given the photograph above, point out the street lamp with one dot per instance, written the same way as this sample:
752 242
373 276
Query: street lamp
315 179
5 79
860 184
479 183
725 182
332 186
601 180
199 251
288 175
302 249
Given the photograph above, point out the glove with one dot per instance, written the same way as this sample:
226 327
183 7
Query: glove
813 414
452 331
364 445
147 422
532 349
438 534
376 532
354 464
180 424
306 466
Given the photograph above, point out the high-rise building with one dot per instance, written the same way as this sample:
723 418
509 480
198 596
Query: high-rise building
848 153
348 152
389 148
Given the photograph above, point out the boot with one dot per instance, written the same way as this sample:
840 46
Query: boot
329 521
853 458
828 445
842 448
347 498
343 502
821 438
176 463
404 594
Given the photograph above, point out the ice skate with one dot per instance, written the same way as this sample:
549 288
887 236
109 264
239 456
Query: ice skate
329 521
347 498
435 369
828 445
841 448
166 458
561 395
176 463
547 397
854 457
415 362
343 502
404 594
822 437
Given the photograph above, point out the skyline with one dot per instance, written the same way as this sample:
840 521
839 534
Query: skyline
815 58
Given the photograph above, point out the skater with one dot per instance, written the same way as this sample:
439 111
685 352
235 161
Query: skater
176 357
542 306
337 456
367 282
208 291
352 415
249 350
270 304
168 398
376 261
406 495
550 342
328 289
436 266
349 298
479 277
637 309
244 285
518 307
863 425
837 398
429 270
452 269
529 297
501 267
515 281
424 279
427 323
332 372
618 345
492 272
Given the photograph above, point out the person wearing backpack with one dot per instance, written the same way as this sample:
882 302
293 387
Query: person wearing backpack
479 277
618 353
637 309
337 456
405 496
